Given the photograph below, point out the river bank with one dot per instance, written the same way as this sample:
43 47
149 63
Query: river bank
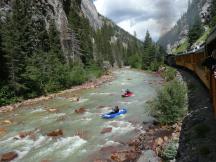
90 84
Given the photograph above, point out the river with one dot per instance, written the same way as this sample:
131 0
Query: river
82 132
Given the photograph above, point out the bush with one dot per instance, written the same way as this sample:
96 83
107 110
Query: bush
154 66
170 103
77 75
93 71
135 61
169 73
170 150
7 96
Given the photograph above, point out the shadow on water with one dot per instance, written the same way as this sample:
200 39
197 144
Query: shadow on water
197 138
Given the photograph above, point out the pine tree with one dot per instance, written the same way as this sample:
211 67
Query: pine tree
16 43
148 53
195 31
213 14
3 69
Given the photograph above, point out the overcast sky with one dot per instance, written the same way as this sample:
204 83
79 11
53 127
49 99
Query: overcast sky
157 16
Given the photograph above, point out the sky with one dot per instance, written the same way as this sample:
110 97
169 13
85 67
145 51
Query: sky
157 16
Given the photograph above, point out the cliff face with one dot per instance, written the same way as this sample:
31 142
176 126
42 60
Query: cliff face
71 17
179 33
91 13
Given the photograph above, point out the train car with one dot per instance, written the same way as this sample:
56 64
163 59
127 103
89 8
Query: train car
193 60
210 47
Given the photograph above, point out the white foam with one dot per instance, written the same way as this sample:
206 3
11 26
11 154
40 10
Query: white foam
111 143
82 100
50 116
24 145
38 110
71 144
120 127
87 114
101 93
86 120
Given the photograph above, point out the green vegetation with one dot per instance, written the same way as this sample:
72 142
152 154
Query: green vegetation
195 31
153 53
204 36
170 104
169 152
213 15
33 61
182 47
169 73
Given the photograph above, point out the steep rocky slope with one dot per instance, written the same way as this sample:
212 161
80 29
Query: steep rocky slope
178 35
59 11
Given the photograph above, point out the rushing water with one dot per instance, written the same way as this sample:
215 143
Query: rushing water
72 147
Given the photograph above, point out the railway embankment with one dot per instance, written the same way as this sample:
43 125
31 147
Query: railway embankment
197 137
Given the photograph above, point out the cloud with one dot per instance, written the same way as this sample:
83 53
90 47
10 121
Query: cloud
157 16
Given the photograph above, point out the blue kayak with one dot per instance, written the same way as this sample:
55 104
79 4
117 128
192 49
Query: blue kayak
112 115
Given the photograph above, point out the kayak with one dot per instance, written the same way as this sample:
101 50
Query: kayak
128 95
111 115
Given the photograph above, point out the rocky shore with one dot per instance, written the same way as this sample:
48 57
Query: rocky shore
87 85
154 139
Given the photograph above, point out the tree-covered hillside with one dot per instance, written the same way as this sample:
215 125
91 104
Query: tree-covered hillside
192 28
38 56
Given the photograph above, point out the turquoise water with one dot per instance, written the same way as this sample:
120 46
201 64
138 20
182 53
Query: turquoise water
72 147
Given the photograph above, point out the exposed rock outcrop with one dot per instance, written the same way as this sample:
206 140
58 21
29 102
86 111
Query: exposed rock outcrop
80 110
6 157
106 130
55 133
91 13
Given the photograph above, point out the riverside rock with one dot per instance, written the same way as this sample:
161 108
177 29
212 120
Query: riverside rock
124 156
55 133
106 130
25 134
159 141
2 131
6 157
80 110
8 122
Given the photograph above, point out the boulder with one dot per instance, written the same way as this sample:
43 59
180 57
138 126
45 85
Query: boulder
106 130
159 141
166 138
55 133
6 157
8 122
25 134
80 110
2 131
52 110
124 156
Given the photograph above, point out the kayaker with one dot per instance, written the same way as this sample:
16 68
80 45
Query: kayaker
128 92
116 109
